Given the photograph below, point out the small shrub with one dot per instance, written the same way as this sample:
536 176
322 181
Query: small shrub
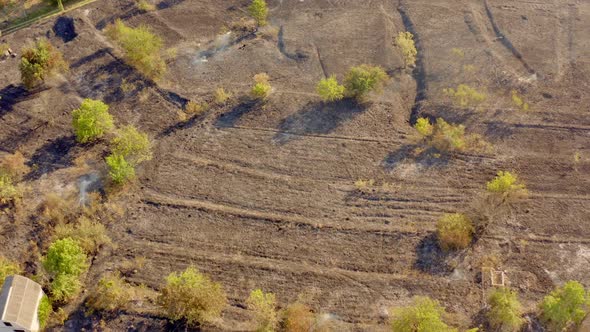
505 310
142 48
8 268
132 144
91 235
120 170
264 307
465 96
112 294
519 101
196 109
364 185
4 47
424 315
405 42
65 257
9 192
91 121
259 11
565 307
192 296
507 185
65 287
458 52
261 89
329 89
298 317
221 96
44 311
145 6
40 62
364 79
454 231
424 127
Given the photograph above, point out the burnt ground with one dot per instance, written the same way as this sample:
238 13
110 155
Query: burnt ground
263 196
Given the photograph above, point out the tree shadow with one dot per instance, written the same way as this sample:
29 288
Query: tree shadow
165 4
230 118
180 126
431 258
65 29
89 58
132 11
52 156
14 94
317 119
427 158
496 130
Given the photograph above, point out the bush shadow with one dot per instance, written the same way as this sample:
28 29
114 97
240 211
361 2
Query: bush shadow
317 119
427 158
65 29
52 156
430 258
229 119
14 94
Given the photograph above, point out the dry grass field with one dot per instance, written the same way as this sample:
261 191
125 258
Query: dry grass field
264 196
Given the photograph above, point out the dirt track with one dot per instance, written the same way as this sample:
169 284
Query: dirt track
264 196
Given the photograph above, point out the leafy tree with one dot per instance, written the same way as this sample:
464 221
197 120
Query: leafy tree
330 90
142 48
89 234
91 121
120 170
192 296
40 62
8 268
44 311
454 231
424 127
425 315
565 307
112 294
65 256
449 137
264 307
298 317
259 11
363 79
465 96
65 287
507 186
505 310
405 42
261 89
132 144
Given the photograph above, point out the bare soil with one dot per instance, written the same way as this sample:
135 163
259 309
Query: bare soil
263 196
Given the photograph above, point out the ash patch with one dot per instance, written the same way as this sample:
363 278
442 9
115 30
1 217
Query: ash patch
65 29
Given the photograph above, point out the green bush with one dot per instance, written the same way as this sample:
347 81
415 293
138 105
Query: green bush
259 11
65 256
424 315
44 311
89 234
65 287
565 307
221 96
465 96
112 294
449 137
9 192
142 48
505 310
8 268
40 62
132 144
455 231
192 296
507 185
330 90
405 42
363 79
120 170
263 306
261 89
519 101
91 121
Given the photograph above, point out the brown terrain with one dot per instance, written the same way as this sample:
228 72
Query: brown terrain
264 196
